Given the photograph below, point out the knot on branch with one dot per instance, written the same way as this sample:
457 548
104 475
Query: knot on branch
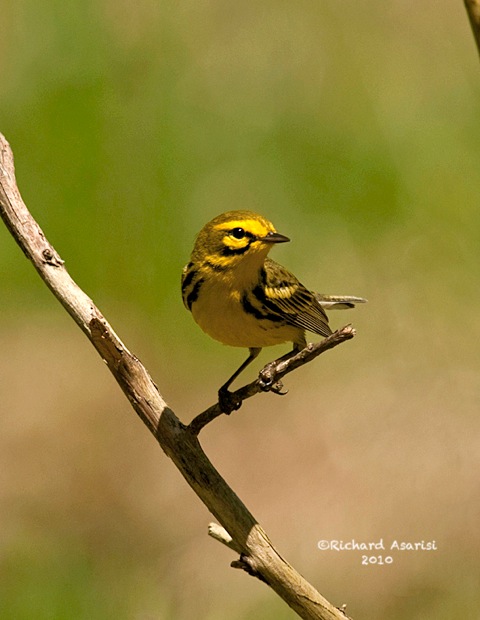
50 257
244 563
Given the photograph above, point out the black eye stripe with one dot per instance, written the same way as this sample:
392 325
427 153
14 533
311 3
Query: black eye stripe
235 251
238 233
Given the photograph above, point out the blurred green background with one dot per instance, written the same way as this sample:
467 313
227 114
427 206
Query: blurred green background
355 128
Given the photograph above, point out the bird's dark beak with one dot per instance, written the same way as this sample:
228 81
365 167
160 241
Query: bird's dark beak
274 237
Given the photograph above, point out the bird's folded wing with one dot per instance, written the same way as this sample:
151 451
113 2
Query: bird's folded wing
286 295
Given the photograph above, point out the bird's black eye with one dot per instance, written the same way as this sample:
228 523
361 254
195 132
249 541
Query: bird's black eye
238 233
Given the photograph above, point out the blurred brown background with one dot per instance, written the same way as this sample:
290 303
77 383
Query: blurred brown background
355 129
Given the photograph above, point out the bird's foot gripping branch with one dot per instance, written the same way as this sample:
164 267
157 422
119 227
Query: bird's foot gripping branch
270 376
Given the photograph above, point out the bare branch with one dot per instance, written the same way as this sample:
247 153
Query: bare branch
273 372
473 11
245 535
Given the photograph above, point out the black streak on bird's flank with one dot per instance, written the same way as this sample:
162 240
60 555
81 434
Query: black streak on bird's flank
259 293
193 295
188 278
259 313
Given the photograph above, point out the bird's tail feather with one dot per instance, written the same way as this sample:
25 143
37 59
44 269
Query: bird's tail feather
338 302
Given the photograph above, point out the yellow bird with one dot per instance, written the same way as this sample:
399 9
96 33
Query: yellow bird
242 298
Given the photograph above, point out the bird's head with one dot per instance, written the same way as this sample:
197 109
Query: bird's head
236 237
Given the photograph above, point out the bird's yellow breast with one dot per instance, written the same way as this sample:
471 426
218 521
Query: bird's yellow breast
220 313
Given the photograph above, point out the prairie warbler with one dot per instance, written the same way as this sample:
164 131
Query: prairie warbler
242 298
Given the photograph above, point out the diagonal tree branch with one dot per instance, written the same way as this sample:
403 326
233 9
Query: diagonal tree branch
240 530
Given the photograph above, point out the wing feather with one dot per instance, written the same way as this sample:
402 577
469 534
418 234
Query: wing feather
286 295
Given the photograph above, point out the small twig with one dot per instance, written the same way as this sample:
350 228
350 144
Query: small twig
274 371
220 533
473 11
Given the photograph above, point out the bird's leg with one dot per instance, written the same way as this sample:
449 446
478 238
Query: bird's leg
267 374
226 399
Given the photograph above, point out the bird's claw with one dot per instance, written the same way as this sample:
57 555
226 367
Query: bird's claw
266 381
228 401
277 388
